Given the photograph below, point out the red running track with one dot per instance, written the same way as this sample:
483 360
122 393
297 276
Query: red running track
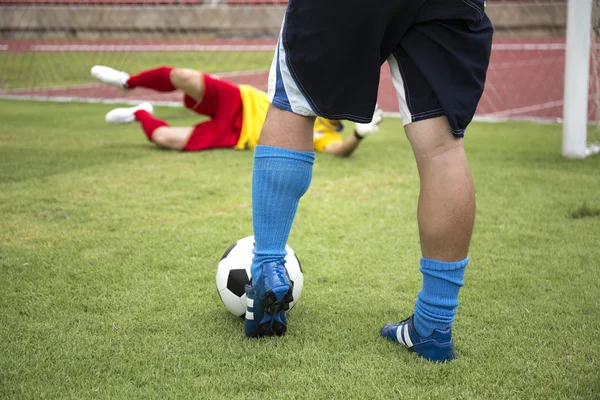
525 79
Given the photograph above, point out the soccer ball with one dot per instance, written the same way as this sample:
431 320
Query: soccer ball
233 273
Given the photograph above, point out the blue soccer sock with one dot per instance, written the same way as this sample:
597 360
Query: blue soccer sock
279 179
437 301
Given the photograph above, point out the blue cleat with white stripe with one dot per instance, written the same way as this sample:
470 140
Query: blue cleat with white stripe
436 347
267 301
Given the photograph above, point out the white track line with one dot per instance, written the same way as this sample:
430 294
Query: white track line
68 99
147 47
228 74
240 73
51 88
490 118
523 110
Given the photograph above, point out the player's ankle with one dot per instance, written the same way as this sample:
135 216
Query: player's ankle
425 327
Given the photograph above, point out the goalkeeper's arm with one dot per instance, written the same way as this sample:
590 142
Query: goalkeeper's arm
346 147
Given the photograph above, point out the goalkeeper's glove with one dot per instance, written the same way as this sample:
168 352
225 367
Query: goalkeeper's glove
363 130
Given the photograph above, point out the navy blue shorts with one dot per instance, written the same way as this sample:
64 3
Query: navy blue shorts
328 58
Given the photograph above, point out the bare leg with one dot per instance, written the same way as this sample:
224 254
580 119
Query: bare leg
446 214
446 209
174 138
344 148
189 81
288 130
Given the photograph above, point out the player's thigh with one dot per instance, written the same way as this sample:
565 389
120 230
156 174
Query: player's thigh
190 81
431 137
329 54
221 99
440 66
298 130
213 134
172 137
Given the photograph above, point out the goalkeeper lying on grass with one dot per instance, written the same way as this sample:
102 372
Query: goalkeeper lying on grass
237 112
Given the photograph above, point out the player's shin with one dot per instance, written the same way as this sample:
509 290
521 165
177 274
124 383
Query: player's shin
158 79
437 301
280 178
149 123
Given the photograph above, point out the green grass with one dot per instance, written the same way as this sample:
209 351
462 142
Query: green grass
109 246
31 70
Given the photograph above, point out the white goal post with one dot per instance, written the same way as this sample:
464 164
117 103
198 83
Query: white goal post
577 77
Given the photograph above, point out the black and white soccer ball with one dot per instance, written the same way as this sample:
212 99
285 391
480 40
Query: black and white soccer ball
233 273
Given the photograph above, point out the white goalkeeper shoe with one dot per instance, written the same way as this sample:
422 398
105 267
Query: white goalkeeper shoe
127 114
372 127
110 76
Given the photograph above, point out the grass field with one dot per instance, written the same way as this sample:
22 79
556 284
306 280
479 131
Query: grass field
35 70
109 247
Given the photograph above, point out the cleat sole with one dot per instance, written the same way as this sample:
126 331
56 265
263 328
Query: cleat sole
272 303
276 301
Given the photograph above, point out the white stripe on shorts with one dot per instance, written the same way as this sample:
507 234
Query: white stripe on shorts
294 97
400 91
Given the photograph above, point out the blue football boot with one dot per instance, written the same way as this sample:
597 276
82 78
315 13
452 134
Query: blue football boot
436 347
268 300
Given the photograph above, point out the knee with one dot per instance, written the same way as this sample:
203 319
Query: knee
163 137
188 80
186 75
433 139
171 138
160 137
